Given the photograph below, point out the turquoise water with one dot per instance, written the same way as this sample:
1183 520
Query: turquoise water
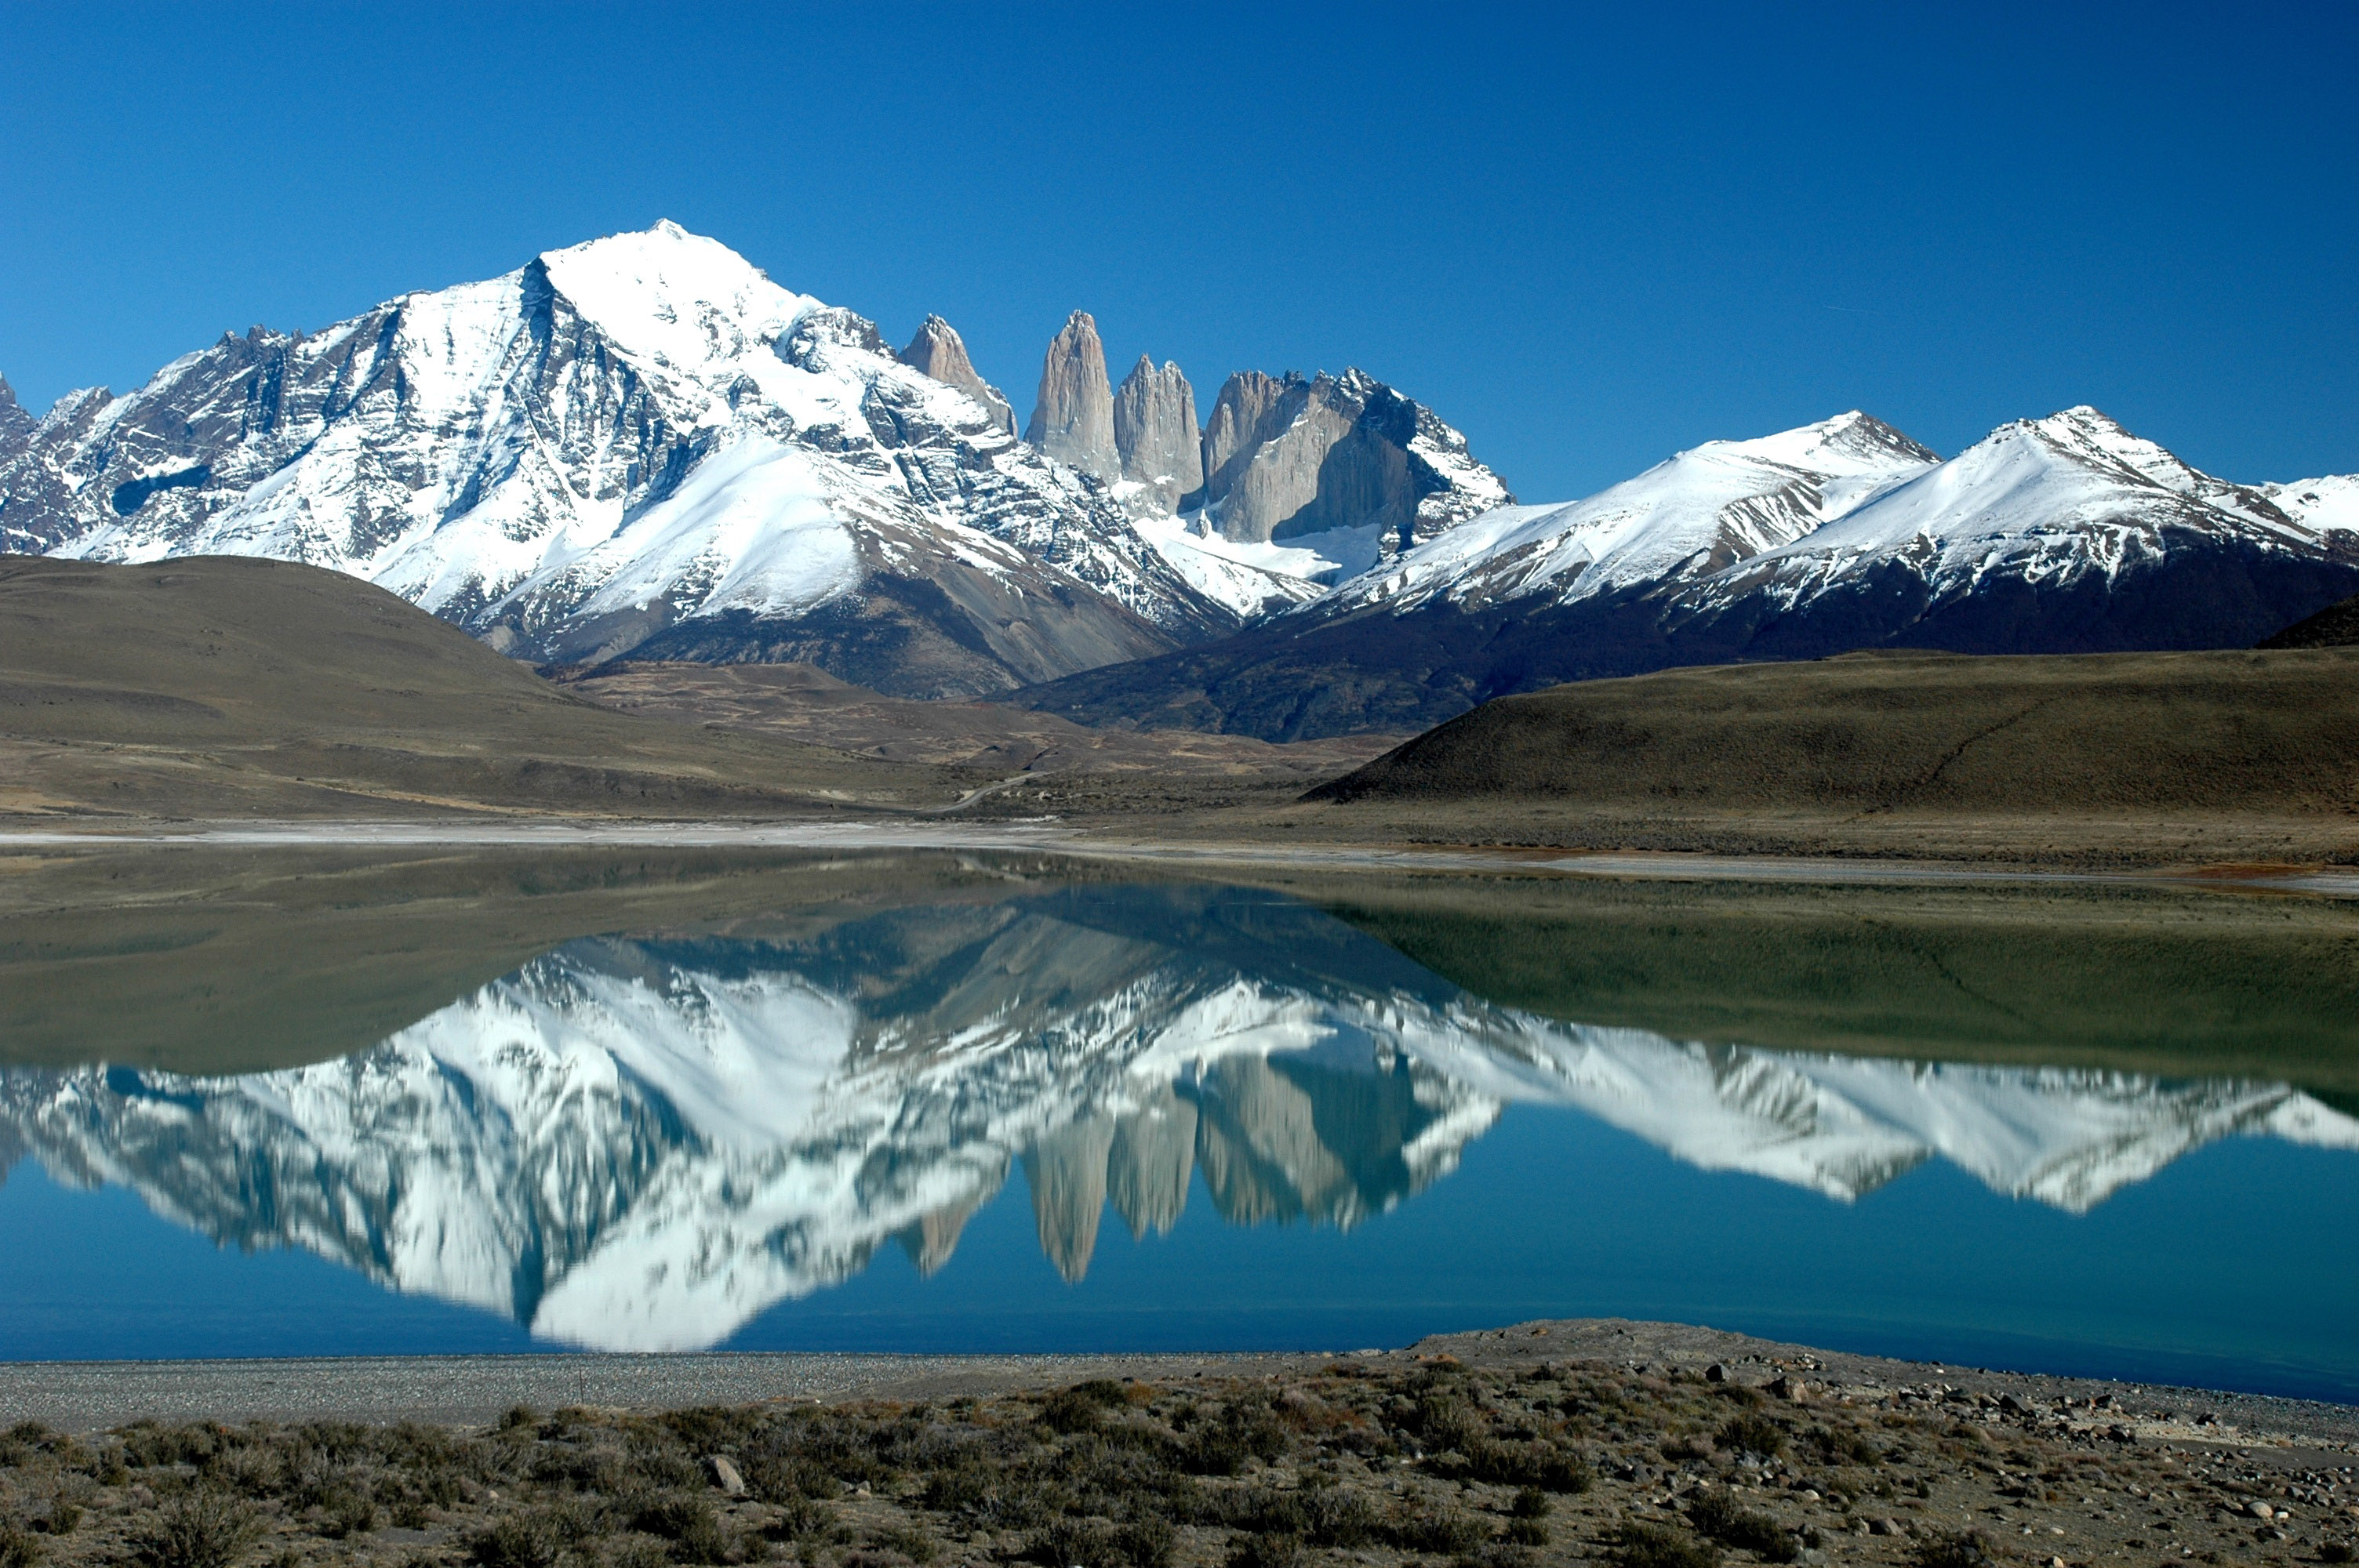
1153 1118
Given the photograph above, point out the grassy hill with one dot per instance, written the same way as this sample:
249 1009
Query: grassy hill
1913 733
234 687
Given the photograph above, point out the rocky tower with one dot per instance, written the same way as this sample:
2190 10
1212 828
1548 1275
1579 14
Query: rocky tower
1294 458
1155 433
1073 420
938 351
16 425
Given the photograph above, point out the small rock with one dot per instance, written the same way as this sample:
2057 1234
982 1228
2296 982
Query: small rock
722 1472
1715 1373
2260 1509
1883 1527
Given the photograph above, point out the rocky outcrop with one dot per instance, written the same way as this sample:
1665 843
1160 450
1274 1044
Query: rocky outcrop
1155 434
938 351
1291 457
1072 420
15 425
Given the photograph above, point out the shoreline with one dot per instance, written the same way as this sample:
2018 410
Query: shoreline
1085 842
475 1390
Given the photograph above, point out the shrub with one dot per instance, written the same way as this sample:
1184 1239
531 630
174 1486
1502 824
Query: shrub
800 1517
1538 1465
910 1543
1447 1422
1660 1546
1718 1517
201 1527
1528 1531
517 1418
1147 1543
18 1548
65 1517
1504 1555
1446 1532
1752 1434
1069 1411
686 1520
528 1540
1333 1516
1276 1550
1840 1447
1532 1503
1221 1445
1073 1543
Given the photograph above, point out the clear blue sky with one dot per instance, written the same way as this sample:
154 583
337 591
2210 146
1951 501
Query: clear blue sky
1587 237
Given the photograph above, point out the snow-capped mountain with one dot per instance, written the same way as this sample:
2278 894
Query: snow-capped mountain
1687 517
640 444
2062 534
642 1144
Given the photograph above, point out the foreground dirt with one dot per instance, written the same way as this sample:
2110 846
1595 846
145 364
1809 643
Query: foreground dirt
1642 1444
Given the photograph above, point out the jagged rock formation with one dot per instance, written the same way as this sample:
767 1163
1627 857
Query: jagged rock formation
641 1144
1155 433
1346 454
2063 535
938 351
640 445
1072 420
15 425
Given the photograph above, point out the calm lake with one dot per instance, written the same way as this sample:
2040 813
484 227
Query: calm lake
258 1106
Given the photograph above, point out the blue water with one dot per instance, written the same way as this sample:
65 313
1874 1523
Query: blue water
693 1141
2211 1274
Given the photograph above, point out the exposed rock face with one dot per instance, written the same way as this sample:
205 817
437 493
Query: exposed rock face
938 351
1073 419
641 445
1155 432
15 425
1293 458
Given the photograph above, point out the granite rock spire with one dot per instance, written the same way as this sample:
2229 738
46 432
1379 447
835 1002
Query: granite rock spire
938 351
1155 434
1073 419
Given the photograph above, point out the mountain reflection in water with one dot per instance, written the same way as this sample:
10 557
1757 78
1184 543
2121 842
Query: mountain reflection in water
641 1144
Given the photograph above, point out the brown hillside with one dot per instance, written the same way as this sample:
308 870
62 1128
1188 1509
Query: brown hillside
2336 626
227 686
1922 734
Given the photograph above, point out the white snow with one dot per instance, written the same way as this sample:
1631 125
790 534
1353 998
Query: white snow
1687 516
2330 505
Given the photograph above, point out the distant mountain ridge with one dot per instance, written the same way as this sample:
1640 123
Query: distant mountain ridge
2063 535
643 448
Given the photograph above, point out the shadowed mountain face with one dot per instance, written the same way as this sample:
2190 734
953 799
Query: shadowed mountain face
643 1143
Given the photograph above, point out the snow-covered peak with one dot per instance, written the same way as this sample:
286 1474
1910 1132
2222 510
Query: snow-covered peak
2328 505
1692 513
673 298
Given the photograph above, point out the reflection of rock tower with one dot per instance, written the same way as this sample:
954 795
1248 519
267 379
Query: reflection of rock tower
1154 1155
1067 1173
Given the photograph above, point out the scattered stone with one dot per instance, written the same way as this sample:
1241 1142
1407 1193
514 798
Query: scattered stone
722 1472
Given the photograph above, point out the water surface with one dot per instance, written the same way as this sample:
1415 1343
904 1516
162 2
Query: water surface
998 1107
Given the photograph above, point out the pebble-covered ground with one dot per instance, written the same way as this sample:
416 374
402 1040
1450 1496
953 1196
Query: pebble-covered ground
1513 1455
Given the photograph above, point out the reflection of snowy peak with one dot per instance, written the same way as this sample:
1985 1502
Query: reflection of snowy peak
643 1145
640 444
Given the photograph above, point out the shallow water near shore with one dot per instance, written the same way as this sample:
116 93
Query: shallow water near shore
354 1106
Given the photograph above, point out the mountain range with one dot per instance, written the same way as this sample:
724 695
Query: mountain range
641 447
642 1143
